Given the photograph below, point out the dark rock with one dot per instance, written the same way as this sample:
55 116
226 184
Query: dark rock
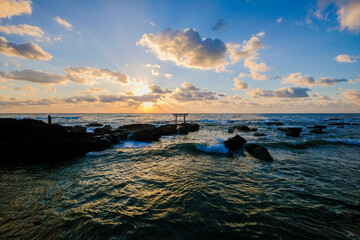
275 123
75 129
235 143
137 127
104 130
31 141
317 131
185 128
144 135
94 124
166 130
242 128
334 119
355 124
318 126
259 152
293 132
282 129
339 124
259 134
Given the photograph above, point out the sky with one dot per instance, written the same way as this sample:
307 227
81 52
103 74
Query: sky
244 56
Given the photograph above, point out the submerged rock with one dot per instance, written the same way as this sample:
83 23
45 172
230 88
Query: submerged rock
259 152
104 130
94 124
235 143
317 131
293 132
275 123
242 128
319 126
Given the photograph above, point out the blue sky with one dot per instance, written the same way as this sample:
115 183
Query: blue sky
293 56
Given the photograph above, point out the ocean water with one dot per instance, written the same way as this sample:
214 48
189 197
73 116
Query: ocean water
190 187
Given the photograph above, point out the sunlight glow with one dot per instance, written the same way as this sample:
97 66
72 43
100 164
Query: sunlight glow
142 90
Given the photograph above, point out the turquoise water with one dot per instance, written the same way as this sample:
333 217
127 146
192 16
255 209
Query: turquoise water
189 187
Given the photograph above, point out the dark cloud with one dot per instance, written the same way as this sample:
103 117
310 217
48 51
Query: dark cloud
157 89
29 75
189 92
286 92
219 25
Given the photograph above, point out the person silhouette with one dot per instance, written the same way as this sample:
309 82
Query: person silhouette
49 120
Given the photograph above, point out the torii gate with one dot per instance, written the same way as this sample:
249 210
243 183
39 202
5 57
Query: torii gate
176 115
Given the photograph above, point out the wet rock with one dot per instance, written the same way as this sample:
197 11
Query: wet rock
94 124
104 130
242 128
334 119
282 129
338 124
259 152
166 130
235 143
275 123
185 128
355 124
293 132
75 129
137 127
144 135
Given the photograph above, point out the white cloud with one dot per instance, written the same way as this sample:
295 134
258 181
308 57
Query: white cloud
349 16
9 8
240 85
152 23
186 49
64 23
189 92
40 77
352 95
279 20
345 58
26 88
27 50
168 75
22 29
299 79
286 92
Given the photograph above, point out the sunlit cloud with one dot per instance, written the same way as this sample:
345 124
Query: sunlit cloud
279 20
189 92
286 92
168 75
299 79
352 94
93 90
344 58
10 8
29 75
22 29
26 50
26 88
157 89
186 49
240 85
64 23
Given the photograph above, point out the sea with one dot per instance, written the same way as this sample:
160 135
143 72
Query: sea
190 186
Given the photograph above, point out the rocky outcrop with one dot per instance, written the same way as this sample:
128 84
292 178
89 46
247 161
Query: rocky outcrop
242 128
338 124
104 130
75 129
235 143
275 123
94 124
259 152
185 128
30 141
166 130
293 132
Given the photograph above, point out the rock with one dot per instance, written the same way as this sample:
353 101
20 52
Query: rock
339 124
33 141
144 135
75 129
235 143
185 128
242 128
166 130
104 130
317 131
282 129
259 152
259 134
318 126
275 123
137 127
334 119
355 124
293 132
94 124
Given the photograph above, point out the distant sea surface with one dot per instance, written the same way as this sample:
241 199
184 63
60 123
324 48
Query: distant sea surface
188 187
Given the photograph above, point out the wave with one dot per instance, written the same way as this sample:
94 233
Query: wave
312 143
133 144
344 141
211 121
214 148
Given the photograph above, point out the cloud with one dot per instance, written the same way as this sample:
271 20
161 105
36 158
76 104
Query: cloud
189 92
298 79
186 49
168 75
77 99
26 88
152 23
286 92
157 89
26 50
9 8
279 20
352 95
5 64
22 29
92 90
345 58
40 77
126 98
240 85
219 25
89 75
349 16
248 51
64 23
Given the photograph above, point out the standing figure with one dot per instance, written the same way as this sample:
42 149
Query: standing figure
49 120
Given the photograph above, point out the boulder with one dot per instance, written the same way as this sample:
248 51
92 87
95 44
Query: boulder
355 124
259 152
166 130
235 143
319 126
185 128
293 132
242 128
144 135
104 130
275 123
94 124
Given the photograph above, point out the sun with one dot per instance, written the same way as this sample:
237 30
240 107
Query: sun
147 107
